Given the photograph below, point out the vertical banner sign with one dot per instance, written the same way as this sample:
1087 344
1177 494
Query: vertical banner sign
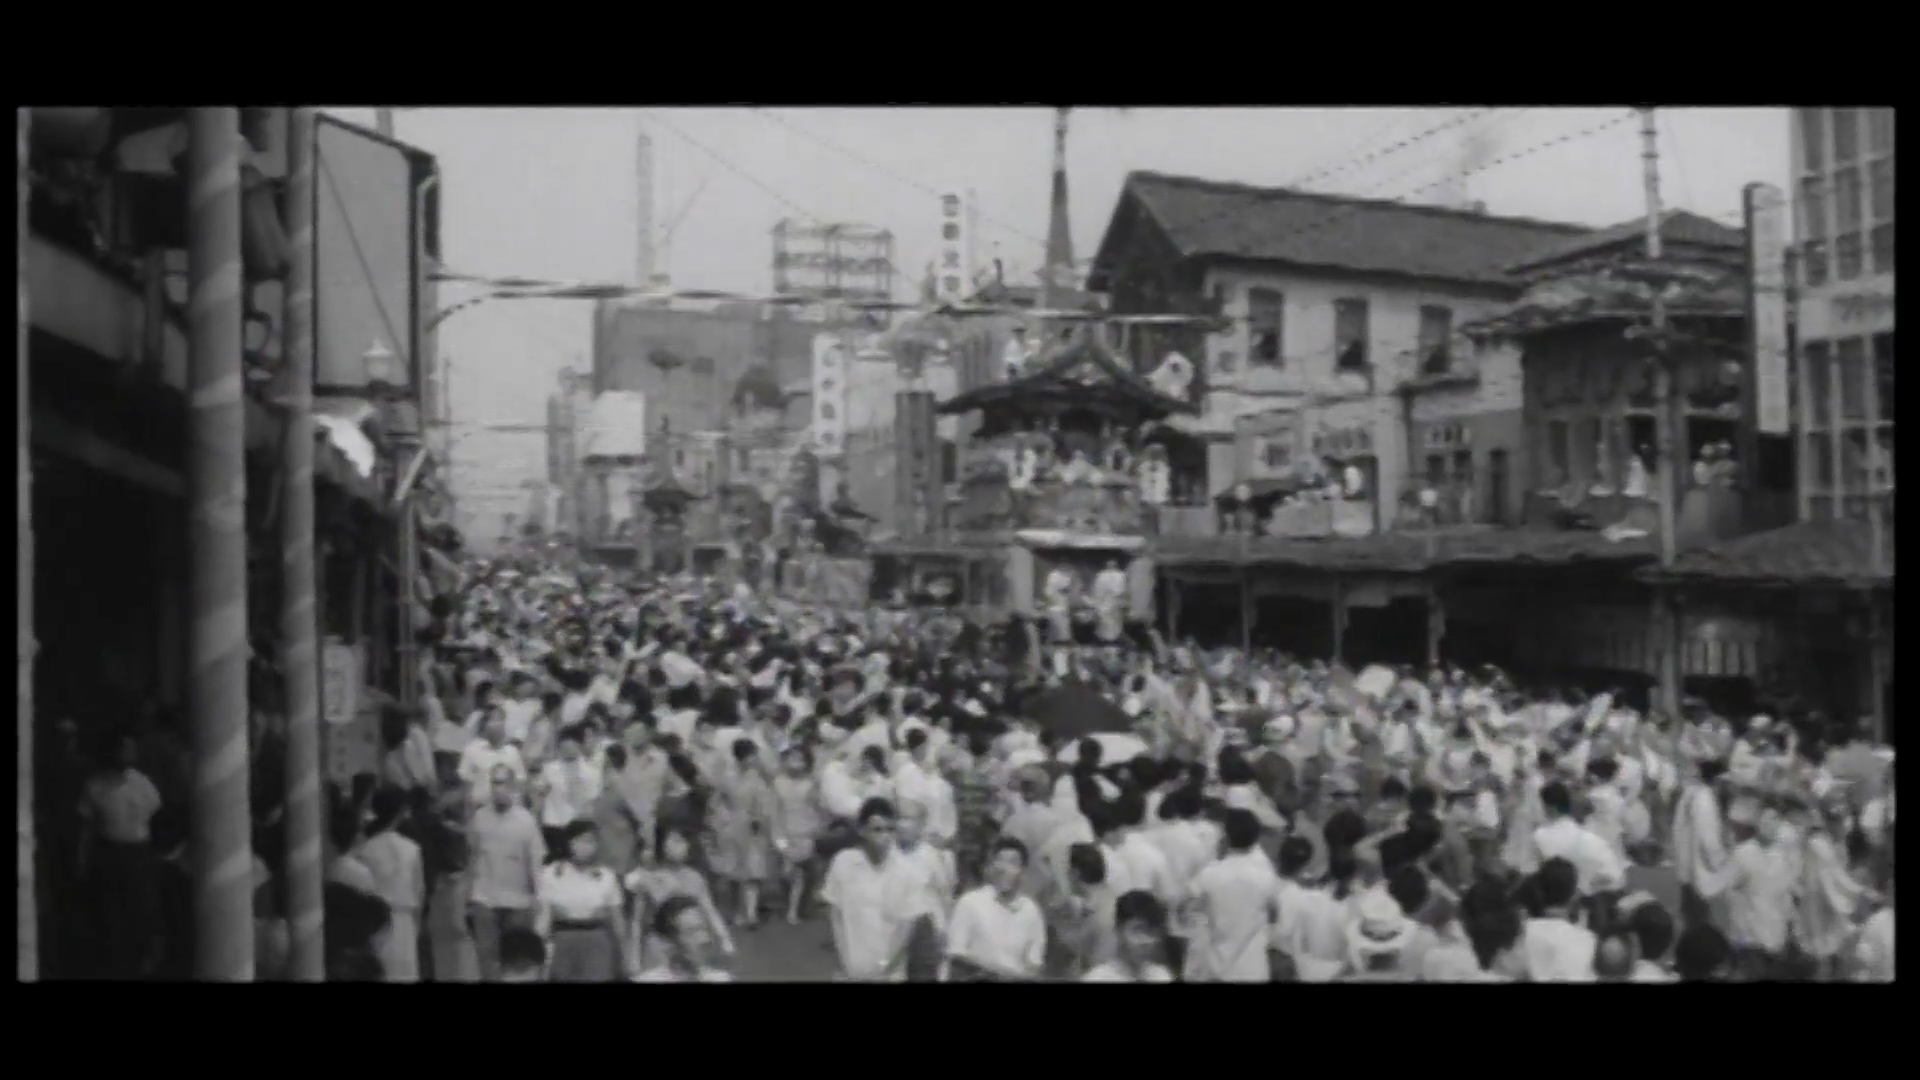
1766 217
952 270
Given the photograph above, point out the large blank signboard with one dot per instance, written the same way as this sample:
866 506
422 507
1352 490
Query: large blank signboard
363 241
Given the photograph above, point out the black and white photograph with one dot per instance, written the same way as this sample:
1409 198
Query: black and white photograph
925 543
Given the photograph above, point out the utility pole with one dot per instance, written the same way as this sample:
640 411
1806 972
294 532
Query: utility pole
222 815
383 122
1665 421
299 607
26 846
643 200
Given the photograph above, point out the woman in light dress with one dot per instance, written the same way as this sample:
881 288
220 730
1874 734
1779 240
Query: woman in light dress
400 879
797 821
667 875
743 813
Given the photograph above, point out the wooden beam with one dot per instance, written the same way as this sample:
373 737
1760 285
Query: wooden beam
65 437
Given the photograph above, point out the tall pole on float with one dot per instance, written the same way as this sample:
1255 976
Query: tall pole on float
299 610
222 845
27 924
1666 437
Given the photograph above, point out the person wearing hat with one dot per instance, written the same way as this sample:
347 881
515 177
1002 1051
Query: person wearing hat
1376 939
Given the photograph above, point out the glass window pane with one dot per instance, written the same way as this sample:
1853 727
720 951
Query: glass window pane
1813 262
1821 444
1850 367
1880 130
1846 200
1820 507
1883 372
1848 256
1880 189
1846 134
1819 371
1883 248
1813 139
1813 208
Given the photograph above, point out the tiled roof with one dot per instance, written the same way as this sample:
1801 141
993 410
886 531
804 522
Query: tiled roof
1834 553
1211 218
1084 366
1409 552
1676 227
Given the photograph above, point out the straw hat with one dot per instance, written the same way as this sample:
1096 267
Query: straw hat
1379 928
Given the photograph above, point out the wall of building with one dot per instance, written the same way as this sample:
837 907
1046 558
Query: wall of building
730 338
1844 312
1305 378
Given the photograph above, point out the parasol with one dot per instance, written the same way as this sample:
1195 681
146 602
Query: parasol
1075 709
1115 747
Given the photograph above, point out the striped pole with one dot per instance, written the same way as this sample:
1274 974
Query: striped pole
28 919
217 553
299 618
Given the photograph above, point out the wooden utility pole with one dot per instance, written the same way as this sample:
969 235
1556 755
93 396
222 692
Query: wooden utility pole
26 857
222 839
1667 439
299 587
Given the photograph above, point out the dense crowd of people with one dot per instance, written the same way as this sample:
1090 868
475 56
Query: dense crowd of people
621 779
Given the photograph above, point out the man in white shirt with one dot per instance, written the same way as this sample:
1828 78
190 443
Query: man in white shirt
1557 948
1140 863
928 879
1562 837
568 787
1311 926
873 910
997 933
491 751
1235 901
521 706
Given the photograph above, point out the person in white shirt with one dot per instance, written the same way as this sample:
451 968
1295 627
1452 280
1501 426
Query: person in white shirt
1562 837
997 933
521 707
1310 927
872 909
1140 930
491 751
1699 850
929 878
916 781
567 789
1558 948
1235 906
1653 934
1759 883
1140 863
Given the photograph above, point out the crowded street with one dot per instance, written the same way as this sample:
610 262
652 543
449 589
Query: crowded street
740 544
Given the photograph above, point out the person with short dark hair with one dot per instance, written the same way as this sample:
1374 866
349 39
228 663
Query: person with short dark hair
1702 955
997 933
867 911
1140 930
1558 948
1237 899
523 956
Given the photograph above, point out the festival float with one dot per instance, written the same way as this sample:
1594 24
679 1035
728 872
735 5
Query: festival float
1057 492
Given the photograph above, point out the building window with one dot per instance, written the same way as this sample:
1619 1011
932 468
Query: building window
1813 208
1266 324
743 459
1813 261
1883 248
1819 361
826 410
1276 455
1350 317
1436 471
1463 485
1436 338
1880 131
1822 445
679 459
1225 361
1497 481
1559 447
1813 139
1848 256
1846 200
1846 135
1883 373
1880 188
1850 369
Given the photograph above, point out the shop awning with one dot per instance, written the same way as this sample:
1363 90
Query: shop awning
1836 554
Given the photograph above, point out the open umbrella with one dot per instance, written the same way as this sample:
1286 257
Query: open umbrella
1074 709
1115 747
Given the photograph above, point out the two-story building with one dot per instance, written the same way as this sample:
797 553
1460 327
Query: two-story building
1335 305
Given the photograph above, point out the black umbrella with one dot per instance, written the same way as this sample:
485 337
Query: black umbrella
1074 709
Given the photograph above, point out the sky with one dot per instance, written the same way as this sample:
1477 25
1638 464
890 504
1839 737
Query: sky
551 193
